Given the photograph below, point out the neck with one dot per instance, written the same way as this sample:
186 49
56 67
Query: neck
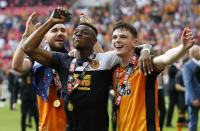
83 54
124 60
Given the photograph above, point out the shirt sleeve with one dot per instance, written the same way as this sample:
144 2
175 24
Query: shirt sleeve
111 59
59 60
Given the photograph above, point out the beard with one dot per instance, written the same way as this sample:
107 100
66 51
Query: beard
58 49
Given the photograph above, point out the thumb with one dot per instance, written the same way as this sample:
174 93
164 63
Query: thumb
37 25
183 33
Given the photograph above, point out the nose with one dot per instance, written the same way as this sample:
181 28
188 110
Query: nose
117 39
60 32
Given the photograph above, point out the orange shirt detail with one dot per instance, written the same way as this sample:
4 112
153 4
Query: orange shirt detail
51 118
131 115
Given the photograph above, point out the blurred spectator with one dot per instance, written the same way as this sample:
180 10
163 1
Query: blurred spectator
11 86
173 98
192 87
28 97
3 4
161 101
179 85
158 22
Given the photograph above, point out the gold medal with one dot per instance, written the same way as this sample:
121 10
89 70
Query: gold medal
70 106
56 103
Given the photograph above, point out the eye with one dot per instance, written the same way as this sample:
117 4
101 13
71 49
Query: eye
63 30
54 30
84 33
123 36
114 37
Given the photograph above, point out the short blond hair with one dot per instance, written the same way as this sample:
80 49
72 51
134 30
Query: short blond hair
193 49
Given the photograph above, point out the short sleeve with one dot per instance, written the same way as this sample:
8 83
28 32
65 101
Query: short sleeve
59 60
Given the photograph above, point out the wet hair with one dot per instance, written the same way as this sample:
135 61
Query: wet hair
91 26
124 25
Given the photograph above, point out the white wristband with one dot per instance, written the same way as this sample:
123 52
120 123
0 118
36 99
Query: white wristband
145 49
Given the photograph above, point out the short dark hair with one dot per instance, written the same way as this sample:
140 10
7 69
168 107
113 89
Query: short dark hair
124 25
91 26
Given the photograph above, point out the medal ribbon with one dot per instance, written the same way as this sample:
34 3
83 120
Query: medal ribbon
57 83
120 91
80 77
72 68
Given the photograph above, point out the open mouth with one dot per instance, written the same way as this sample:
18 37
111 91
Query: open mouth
118 46
60 40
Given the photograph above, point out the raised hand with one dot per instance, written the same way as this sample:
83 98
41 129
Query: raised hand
30 28
73 53
85 18
187 38
58 15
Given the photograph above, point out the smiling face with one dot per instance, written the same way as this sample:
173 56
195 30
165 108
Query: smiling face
124 42
83 37
56 37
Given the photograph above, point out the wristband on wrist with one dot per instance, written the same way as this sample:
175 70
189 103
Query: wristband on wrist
145 49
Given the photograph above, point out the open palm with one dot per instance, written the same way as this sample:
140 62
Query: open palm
187 39
30 28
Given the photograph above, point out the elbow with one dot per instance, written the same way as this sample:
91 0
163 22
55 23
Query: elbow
16 68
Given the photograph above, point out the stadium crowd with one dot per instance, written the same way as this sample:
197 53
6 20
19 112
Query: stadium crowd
159 23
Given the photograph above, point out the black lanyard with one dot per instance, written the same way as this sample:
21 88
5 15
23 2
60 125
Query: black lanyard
72 69
70 86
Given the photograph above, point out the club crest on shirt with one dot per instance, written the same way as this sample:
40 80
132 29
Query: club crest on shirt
126 91
94 64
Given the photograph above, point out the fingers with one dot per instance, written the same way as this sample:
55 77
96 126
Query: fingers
86 18
31 17
193 41
37 25
72 53
151 66
144 67
148 67
62 11
139 65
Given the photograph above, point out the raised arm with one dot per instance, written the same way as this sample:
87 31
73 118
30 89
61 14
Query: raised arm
31 45
19 63
174 54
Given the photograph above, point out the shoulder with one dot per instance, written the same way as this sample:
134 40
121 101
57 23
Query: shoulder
188 64
107 54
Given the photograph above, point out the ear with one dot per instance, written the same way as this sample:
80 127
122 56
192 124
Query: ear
135 42
95 41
